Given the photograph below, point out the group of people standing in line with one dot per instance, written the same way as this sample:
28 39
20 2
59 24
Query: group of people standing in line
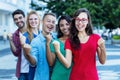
44 55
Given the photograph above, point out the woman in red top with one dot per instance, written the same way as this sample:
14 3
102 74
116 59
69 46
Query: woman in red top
82 46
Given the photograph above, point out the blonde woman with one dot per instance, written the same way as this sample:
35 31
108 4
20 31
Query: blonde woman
33 24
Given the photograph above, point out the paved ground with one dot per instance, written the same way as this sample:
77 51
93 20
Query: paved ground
4 45
109 71
7 62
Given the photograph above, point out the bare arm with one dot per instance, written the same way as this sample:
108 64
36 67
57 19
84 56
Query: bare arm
66 61
26 49
49 54
101 51
12 45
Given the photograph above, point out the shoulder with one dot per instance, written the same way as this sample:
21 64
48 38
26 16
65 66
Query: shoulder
36 39
67 41
16 32
95 35
25 34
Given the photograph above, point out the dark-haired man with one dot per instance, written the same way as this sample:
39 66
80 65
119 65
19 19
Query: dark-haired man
22 67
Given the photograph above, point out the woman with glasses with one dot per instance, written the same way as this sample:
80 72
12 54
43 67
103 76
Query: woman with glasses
81 47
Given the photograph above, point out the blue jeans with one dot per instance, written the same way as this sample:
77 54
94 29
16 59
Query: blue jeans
31 72
23 76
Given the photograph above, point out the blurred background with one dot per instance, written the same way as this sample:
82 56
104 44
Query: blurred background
105 15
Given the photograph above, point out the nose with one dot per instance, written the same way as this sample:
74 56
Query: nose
80 22
52 24
18 20
64 26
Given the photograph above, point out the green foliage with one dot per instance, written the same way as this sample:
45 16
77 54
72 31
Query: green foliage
111 12
103 12
116 37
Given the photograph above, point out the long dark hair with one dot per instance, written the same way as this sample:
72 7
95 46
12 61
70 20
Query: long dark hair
63 17
74 40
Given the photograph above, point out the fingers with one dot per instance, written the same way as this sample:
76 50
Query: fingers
56 45
55 42
48 38
9 36
22 39
26 48
101 41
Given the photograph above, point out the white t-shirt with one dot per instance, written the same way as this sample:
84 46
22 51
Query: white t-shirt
24 64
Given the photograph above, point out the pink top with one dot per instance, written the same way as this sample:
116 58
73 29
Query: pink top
84 59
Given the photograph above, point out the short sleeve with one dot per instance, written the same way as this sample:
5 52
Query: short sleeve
52 48
67 44
96 37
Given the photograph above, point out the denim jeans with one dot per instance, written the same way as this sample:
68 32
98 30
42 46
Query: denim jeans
31 72
23 76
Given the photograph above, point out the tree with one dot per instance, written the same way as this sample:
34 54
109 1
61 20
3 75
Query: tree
103 12
111 13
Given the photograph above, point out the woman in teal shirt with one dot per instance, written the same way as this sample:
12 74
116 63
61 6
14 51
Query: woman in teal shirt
60 72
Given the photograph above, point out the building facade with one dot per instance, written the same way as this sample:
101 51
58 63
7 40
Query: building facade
6 9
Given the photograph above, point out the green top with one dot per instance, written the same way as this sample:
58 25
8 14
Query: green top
60 72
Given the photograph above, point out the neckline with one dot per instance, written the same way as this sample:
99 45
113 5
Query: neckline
86 41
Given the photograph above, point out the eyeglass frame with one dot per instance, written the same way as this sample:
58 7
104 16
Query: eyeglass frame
83 20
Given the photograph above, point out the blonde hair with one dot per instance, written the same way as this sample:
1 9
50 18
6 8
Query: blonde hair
29 29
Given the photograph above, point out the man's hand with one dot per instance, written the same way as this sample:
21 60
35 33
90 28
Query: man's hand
22 39
27 49
9 36
48 38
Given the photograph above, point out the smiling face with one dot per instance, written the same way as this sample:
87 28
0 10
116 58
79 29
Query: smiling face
33 21
19 20
81 21
64 27
48 24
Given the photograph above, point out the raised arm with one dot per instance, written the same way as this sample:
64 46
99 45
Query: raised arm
49 54
101 51
66 61
28 56
27 49
12 46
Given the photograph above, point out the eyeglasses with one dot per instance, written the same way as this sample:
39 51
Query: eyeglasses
83 20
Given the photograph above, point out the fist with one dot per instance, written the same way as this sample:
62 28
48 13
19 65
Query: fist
27 49
101 41
22 39
56 44
9 36
48 38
